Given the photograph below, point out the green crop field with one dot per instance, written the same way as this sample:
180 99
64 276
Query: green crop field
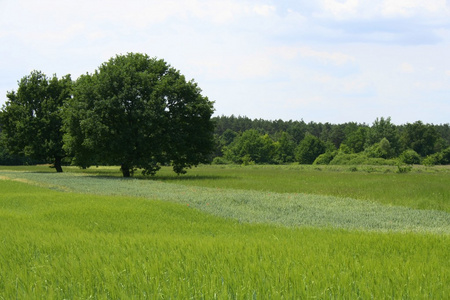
225 232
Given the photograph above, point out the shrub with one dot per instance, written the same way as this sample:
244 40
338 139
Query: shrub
250 146
382 149
360 159
410 157
220 161
402 168
325 158
445 160
431 160
309 149
440 158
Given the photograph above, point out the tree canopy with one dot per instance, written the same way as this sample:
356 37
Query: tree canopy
138 112
31 119
297 141
250 147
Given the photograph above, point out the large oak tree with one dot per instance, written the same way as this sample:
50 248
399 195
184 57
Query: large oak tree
31 118
138 112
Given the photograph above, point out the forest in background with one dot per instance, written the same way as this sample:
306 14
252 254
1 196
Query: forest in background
245 141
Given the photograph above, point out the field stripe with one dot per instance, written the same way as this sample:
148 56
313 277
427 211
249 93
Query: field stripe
291 210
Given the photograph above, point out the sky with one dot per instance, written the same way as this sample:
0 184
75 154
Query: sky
331 61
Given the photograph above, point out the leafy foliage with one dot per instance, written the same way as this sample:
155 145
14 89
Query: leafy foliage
325 158
360 159
138 112
356 140
410 157
383 129
250 147
440 158
420 137
284 148
382 149
31 119
380 142
309 149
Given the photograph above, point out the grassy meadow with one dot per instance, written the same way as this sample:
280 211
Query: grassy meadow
225 232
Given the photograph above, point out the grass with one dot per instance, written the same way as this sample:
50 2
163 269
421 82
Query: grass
67 245
424 188
252 206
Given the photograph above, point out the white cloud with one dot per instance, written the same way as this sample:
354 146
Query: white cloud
406 68
255 66
216 11
301 102
355 86
375 9
286 52
408 8
322 78
335 58
324 57
341 8
264 10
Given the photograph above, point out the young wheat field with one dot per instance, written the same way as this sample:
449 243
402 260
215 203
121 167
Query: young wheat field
224 232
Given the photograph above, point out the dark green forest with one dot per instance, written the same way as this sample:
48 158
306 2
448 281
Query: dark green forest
245 141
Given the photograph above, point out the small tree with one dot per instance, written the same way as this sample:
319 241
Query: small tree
284 148
420 137
440 158
31 119
410 157
138 112
250 147
309 149
382 149
383 128
356 140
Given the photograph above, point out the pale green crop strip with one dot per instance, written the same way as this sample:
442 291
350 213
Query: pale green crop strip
290 210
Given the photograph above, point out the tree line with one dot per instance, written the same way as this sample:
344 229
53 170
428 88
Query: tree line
243 140
140 113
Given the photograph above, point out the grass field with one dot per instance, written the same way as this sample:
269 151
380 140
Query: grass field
224 233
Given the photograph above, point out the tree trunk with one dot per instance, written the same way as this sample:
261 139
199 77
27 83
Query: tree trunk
125 170
57 164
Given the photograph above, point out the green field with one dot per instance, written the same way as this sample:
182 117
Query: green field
225 232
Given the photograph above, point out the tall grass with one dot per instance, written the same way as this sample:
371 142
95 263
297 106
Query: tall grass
286 209
69 246
423 188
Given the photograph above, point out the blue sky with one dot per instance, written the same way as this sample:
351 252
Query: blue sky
325 61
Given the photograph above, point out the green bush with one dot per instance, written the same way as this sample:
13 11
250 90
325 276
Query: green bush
382 149
220 161
325 158
402 168
360 159
440 158
309 149
410 157
250 147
